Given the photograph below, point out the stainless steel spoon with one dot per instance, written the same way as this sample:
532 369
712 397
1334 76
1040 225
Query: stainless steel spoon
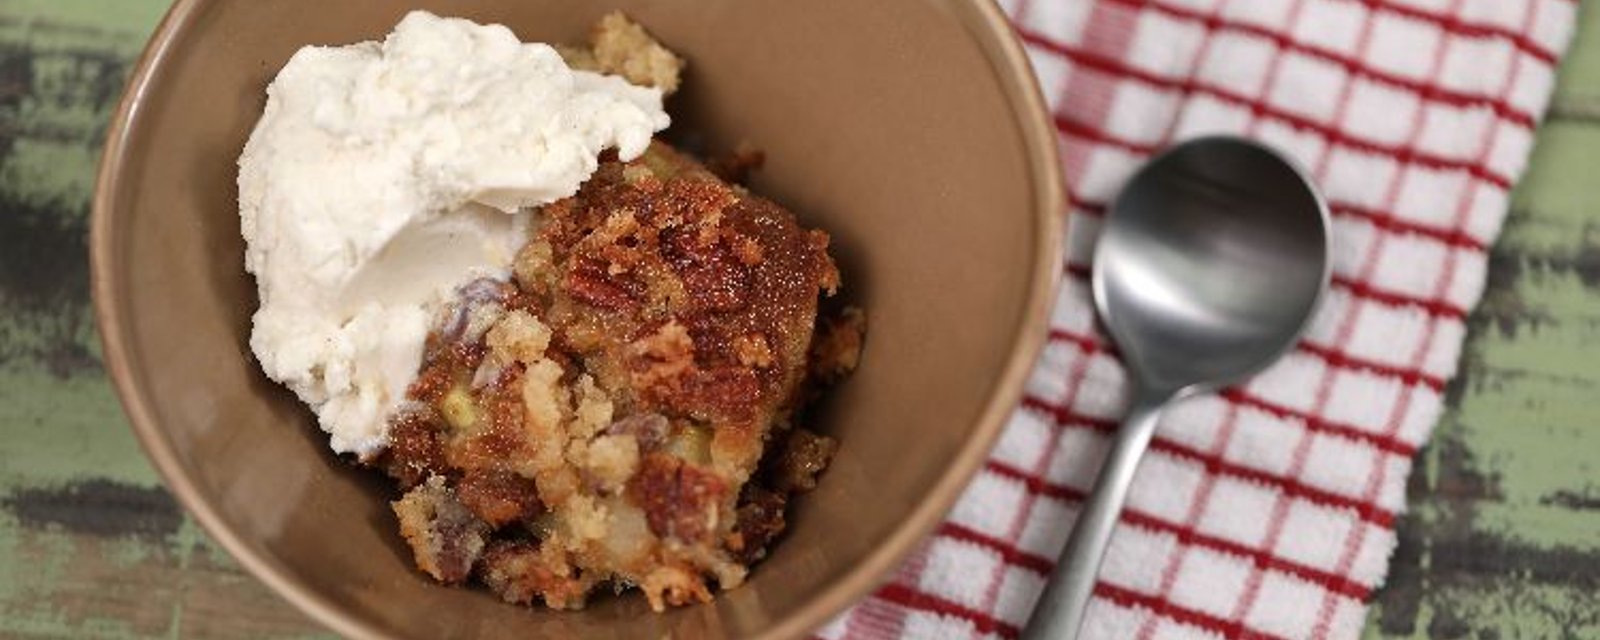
1209 266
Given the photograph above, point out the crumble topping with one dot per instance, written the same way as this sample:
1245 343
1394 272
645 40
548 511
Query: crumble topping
621 413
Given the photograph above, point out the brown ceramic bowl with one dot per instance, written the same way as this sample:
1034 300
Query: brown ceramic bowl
910 129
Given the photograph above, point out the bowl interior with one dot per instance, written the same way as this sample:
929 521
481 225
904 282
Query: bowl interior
909 129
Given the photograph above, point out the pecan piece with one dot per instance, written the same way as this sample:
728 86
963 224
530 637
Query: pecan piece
679 499
590 281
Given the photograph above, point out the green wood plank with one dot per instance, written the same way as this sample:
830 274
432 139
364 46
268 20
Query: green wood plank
90 545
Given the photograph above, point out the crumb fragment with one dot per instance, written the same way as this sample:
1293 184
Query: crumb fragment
836 350
759 521
522 571
612 459
805 454
445 537
663 356
518 337
619 46
736 167
673 586
752 350
414 452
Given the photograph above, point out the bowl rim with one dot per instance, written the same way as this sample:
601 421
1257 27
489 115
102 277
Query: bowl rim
983 20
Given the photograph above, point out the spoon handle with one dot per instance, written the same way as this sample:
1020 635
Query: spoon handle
1061 608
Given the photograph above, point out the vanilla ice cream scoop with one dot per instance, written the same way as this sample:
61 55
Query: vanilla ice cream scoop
382 176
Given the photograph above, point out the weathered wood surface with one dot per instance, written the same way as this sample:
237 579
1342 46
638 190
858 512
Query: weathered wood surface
1502 541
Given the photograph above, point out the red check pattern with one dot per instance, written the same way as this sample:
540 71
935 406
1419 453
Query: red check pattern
1266 511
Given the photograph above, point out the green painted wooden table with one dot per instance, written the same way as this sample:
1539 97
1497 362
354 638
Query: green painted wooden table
1502 539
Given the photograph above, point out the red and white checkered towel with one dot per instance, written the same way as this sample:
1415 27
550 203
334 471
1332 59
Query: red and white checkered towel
1267 511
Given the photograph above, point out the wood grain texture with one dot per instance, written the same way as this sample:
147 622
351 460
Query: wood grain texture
1502 539
90 545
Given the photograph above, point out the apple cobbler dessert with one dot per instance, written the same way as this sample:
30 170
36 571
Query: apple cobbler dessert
623 411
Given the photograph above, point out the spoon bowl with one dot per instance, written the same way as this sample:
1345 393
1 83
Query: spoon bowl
1213 258
1210 265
